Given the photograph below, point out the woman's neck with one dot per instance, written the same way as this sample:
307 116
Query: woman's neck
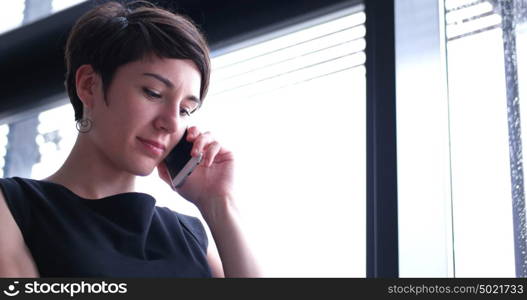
90 174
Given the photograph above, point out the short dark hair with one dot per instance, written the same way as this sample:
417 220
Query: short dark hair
113 34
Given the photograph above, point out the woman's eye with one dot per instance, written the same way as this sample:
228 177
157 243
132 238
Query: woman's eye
151 94
185 112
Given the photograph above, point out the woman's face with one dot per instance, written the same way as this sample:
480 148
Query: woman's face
149 103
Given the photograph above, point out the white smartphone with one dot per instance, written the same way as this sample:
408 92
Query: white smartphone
180 162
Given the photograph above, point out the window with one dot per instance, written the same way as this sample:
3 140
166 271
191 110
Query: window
55 139
292 109
4 130
481 114
12 12
459 182
11 15
58 5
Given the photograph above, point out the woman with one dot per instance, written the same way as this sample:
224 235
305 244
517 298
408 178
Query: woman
135 74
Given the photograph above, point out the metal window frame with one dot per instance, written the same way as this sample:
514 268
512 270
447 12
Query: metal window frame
382 222
508 11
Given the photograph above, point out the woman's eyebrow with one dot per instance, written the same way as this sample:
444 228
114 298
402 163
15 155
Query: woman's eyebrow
160 78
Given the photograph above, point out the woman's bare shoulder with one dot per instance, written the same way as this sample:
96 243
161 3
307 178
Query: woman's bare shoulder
15 257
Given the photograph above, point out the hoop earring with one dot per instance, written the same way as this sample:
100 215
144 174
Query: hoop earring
84 125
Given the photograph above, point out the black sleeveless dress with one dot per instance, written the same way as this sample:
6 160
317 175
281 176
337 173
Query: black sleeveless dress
123 235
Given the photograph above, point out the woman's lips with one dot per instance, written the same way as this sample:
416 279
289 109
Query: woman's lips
152 147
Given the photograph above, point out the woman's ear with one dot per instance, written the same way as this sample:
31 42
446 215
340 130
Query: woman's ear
86 83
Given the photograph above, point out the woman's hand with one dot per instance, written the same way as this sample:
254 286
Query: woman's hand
212 179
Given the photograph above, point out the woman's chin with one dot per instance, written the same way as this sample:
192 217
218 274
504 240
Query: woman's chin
145 173
144 170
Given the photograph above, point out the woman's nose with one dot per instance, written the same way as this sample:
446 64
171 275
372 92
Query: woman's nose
167 120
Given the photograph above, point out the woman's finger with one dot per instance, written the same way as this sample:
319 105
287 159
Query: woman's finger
211 151
201 142
192 133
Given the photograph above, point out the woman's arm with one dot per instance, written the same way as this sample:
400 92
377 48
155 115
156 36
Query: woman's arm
210 187
237 259
15 258
214 260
